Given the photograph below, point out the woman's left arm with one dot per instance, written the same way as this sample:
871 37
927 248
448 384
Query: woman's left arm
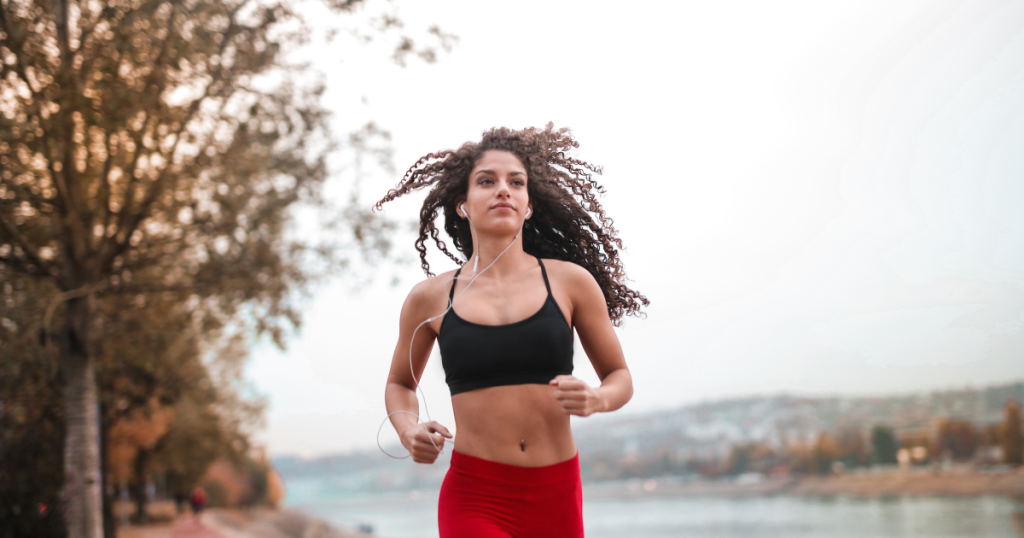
601 344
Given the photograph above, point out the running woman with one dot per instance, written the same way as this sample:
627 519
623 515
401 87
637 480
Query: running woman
542 262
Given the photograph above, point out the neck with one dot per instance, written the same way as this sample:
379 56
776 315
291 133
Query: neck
489 248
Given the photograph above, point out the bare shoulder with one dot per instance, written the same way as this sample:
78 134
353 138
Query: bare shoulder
567 271
572 277
427 293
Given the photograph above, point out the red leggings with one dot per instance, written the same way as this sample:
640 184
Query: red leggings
486 499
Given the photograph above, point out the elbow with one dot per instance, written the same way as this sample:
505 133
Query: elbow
623 388
627 383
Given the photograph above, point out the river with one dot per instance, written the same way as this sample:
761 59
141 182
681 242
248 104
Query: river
413 515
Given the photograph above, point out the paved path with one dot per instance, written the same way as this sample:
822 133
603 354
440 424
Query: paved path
187 527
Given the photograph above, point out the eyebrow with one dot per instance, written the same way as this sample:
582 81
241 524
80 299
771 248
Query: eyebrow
512 173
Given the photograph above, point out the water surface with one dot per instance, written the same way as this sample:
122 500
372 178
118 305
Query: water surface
413 515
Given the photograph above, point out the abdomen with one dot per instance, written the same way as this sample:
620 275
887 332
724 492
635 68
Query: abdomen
513 424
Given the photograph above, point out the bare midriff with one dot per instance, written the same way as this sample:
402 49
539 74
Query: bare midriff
514 424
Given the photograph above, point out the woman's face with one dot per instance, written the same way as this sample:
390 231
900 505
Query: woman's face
497 200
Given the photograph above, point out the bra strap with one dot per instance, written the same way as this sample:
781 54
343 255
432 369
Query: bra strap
455 279
544 272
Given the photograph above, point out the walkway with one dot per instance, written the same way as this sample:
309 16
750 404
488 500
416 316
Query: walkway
187 527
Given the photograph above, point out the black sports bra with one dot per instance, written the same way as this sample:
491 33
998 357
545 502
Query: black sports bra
533 350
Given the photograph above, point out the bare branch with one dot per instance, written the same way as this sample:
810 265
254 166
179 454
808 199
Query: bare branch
37 100
111 249
19 265
83 291
71 89
25 244
128 228
38 202
105 188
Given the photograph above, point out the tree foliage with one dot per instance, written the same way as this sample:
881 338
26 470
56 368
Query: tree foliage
823 454
143 153
957 439
166 406
31 417
745 457
169 397
850 446
1011 433
884 445
151 155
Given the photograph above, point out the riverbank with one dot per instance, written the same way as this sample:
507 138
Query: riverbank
266 523
255 523
1009 483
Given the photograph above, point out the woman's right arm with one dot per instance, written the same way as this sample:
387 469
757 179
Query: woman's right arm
423 443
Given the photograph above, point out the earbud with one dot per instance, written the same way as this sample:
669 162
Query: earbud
529 211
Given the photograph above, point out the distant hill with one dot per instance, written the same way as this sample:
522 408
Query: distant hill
704 430
710 428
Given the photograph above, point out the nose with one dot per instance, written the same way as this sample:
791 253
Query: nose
503 190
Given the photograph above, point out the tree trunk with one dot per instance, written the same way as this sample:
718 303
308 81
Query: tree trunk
109 517
82 480
138 488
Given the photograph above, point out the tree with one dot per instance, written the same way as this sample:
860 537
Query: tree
1011 433
817 458
884 444
127 444
154 371
149 355
736 460
958 438
826 452
746 457
850 444
990 435
31 418
800 456
213 420
145 149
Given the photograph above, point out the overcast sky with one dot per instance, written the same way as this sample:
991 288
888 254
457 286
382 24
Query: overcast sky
817 197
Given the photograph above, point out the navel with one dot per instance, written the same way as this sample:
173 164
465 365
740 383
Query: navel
522 445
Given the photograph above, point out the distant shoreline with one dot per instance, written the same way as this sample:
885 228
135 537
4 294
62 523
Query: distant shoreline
1009 483
243 523
275 523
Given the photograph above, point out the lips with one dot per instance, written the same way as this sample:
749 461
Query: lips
503 205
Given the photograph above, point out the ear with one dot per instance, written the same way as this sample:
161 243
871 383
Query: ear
459 209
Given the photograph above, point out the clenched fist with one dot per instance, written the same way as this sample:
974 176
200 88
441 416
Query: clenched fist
576 397
417 440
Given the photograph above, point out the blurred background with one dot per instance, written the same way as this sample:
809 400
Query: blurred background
821 200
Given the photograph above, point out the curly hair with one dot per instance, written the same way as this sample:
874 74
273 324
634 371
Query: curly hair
568 222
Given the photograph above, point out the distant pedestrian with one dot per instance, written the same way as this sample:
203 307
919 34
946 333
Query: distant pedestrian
198 501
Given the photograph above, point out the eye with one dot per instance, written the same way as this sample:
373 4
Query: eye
518 182
484 181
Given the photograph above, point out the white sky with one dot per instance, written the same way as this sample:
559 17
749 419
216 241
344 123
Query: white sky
817 197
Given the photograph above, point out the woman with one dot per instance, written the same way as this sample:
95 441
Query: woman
542 262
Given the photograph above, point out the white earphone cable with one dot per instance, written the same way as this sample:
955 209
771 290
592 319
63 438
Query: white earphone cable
451 303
